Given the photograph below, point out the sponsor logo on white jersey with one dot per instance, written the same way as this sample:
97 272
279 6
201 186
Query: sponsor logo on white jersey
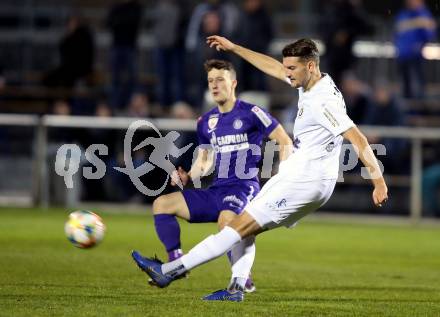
276 205
330 146
330 117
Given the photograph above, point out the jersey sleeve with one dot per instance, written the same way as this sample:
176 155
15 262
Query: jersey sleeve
332 115
203 139
264 121
429 33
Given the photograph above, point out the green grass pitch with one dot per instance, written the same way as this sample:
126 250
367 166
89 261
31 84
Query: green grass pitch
320 268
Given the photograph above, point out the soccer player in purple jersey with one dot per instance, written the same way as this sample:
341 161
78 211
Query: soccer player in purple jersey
228 135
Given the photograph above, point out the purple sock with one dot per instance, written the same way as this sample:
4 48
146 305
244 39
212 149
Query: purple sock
168 231
174 255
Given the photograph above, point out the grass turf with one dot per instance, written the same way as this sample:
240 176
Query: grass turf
318 269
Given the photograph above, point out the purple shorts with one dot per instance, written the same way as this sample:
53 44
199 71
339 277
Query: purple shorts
205 205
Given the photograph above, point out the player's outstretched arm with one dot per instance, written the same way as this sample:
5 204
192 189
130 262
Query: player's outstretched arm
263 62
363 149
280 136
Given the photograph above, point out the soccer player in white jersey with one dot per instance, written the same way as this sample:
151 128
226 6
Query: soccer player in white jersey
305 180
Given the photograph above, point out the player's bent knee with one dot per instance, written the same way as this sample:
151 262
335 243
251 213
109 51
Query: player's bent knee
161 205
171 204
246 225
225 217
221 224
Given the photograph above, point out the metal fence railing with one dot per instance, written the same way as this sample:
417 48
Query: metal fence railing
40 192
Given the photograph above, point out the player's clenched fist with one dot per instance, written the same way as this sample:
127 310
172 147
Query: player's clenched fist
179 175
380 195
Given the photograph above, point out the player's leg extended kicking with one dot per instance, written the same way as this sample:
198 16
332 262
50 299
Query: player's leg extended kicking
199 206
288 200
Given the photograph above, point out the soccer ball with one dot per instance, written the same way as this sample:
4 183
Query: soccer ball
84 229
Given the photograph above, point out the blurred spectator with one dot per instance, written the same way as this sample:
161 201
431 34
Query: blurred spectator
119 184
103 110
343 22
357 98
2 79
169 35
211 24
104 136
61 108
57 137
255 33
414 28
229 16
139 106
387 111
76 51
123 21
289 113
431 190
208 18
182 110
101 189
431 178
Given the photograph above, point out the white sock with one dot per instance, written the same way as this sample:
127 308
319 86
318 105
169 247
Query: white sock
237 284
207 250
173 268
242 259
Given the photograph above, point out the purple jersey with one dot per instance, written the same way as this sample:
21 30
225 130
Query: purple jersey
231 135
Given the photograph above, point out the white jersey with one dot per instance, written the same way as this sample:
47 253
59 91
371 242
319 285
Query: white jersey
320 121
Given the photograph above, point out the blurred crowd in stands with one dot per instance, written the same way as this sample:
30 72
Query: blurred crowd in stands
178 55
179 50
178 88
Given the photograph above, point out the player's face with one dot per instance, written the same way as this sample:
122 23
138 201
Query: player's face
221 85
297 71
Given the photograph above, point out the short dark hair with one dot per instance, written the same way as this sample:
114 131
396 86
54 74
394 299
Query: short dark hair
305 49
220 64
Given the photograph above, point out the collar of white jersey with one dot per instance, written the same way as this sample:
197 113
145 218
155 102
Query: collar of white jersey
324 80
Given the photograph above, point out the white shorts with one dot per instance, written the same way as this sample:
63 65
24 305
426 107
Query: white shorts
283 201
